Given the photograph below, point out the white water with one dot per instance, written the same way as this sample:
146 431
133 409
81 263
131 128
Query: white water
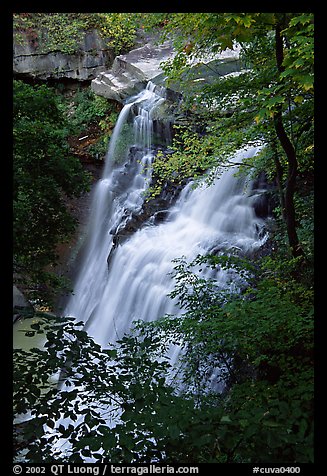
116 196
137 283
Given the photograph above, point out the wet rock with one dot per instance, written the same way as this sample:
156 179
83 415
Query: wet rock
153 212
263 196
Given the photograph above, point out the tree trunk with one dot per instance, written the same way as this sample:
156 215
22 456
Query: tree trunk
279 178
289 150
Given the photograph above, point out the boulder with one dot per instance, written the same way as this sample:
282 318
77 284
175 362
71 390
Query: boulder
131 72
21 307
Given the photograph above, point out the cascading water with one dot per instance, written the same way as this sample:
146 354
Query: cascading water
117 195
137 282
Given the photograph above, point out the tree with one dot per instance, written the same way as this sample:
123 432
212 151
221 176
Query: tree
126 404
121 404
113 405
44 176
271 100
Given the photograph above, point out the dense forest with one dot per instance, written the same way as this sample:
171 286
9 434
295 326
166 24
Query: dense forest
261 338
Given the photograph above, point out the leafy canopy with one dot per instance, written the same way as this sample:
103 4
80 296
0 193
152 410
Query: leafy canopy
269 101
44 175
121 404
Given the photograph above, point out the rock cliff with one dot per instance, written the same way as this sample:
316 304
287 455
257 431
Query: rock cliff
91 58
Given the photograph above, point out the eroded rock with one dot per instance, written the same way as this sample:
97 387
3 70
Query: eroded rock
91 58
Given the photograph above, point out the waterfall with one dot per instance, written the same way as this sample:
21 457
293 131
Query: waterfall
135 286
116 197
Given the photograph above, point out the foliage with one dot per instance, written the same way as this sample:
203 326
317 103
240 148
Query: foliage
243 388
65 31
262 342
86 109
189 157
125 404
44 174
126 384
99 148
270 101
89 115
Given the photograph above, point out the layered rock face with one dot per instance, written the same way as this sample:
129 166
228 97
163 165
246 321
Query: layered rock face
113 77
91 58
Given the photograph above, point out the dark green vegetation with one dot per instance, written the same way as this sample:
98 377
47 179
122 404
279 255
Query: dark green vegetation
90 116
262 339
270 101
44 175
48 173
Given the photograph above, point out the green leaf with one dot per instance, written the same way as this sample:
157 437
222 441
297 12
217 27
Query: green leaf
174 432
225 419
109 442
271 423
